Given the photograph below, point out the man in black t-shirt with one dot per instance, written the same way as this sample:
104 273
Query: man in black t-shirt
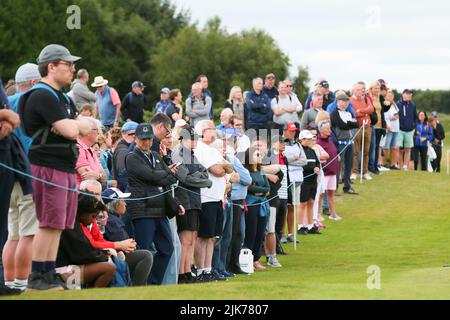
48 116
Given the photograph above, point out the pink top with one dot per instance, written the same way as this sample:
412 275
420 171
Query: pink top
87 158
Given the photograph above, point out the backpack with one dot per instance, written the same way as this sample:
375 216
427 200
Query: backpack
45 130
122 276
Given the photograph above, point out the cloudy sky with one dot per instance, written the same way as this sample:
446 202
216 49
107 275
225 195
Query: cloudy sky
405 42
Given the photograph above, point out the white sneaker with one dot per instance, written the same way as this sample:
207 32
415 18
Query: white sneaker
383 169
335 217
274 263
353 176
367 177
405 168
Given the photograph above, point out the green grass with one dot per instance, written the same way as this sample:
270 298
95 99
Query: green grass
400 222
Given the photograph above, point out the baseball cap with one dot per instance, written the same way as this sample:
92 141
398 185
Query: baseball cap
144 131
324 84
188 131
28 72
342 97
291 127
112 194
434 114
306 134
271 76
129 126
138 84
55 52
165 90
408 91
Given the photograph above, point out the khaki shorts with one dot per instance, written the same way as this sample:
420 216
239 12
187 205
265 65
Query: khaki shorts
22 219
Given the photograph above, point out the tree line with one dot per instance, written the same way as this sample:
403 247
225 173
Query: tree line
154 42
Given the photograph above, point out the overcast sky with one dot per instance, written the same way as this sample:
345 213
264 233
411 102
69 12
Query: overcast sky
405 42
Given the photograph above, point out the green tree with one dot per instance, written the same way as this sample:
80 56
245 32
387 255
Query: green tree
227 59
301 81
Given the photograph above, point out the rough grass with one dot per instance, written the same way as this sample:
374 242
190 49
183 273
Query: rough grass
400 223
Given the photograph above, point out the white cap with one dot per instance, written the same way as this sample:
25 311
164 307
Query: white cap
28 72
306 134
180 123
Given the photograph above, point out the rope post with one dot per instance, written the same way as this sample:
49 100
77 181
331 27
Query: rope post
448 162
295 216
362 151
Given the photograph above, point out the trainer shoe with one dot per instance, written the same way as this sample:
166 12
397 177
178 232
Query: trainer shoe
7 291
44 282
367 177
303 231
314 230
353 176
290 239
351 191
405 168
383 169
219 276
227 274
274 263
326 211
283 240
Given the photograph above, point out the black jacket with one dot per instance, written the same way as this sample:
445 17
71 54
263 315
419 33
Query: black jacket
439 133
76 249
133 107
146 180
274 187
192 176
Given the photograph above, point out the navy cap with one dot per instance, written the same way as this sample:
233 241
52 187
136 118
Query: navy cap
112 194
408 91
144 131
138 84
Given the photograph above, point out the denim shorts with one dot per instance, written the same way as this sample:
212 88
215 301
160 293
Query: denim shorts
391 140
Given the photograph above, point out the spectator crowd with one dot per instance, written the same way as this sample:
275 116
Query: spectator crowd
92 195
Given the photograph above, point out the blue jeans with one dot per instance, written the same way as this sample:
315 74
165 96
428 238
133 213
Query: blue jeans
325 204
377 134
155 231
219 261
173 268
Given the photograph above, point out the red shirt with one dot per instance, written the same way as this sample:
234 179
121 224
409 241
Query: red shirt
96 238
363 108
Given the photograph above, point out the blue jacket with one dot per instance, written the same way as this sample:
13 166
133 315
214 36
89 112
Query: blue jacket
115 228
259 110
239 190
423 131
271 93
408 115
333 106
26 140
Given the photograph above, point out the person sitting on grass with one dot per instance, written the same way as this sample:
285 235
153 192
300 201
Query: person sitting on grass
77 259
309 186
140 261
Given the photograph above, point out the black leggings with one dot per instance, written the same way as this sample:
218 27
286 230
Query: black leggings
236 238
281 217
140 263
255 228
420 153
